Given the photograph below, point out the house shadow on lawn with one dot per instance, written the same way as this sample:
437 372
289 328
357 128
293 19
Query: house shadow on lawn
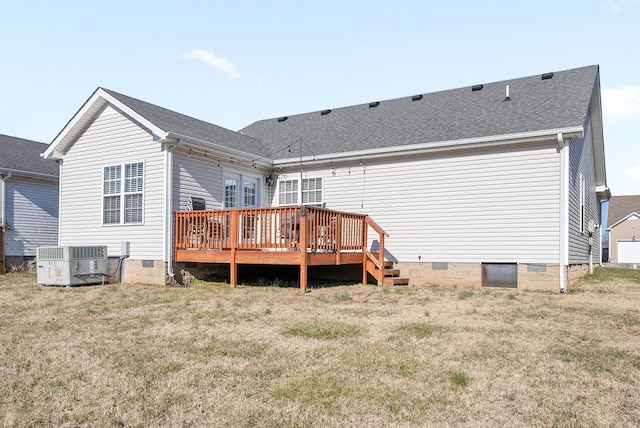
274 276
289 276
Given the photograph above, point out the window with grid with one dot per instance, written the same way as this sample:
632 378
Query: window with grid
312 190
250 194
123 194
288 192
230 192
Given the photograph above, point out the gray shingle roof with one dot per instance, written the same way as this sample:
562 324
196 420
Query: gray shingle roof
20 155
535 105
622 206
171 121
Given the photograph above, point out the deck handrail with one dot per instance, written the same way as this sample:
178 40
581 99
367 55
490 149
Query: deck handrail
270 228
290 228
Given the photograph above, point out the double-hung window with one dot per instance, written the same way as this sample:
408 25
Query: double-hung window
290 192
123 193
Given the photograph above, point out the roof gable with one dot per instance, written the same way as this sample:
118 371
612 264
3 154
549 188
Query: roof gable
22 157
633 215
533 104
161 123
620 207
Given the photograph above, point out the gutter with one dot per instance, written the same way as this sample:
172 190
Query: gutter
239 155
546 136
168 205
29 174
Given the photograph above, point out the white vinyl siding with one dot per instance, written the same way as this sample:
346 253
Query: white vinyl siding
112 139
583 202
496 205
32 216
203 177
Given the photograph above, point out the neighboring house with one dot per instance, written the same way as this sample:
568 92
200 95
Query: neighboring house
496 183
28 200
624 229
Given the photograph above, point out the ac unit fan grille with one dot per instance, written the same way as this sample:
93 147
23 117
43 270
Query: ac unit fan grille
51 253
86 253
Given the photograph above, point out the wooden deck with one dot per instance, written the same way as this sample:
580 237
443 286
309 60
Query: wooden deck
303 236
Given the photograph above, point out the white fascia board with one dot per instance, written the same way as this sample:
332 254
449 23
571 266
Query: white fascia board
549 135
227 151
80 120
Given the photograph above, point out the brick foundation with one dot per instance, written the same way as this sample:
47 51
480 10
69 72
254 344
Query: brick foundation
544 277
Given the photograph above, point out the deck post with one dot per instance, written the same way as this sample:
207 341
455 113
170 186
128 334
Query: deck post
381 260
338 237
233 240
365 239
304 242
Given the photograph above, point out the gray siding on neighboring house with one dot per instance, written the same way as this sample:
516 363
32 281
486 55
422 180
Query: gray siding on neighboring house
490 205
112 139
32 216
581 164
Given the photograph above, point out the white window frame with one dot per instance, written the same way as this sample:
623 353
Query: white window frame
301 193
119 190
582 203
241 180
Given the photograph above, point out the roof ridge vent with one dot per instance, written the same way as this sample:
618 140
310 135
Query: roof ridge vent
325 112
374 104
282 119
547 76
416 97
477 88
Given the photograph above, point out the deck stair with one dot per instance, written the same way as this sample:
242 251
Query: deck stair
388 276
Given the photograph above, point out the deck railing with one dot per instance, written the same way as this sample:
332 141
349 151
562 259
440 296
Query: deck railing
305 229
270 228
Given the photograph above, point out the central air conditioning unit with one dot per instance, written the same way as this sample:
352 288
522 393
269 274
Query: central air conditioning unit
69 266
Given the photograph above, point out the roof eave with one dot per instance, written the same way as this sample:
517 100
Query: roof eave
544 136
632 214
227 151
28 174
595 117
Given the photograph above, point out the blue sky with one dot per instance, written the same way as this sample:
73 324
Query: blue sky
232 63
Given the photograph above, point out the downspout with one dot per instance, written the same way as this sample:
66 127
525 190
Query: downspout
564 211
3 204
3 191
3 213
168 207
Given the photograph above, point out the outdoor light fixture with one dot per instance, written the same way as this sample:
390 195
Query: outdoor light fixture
269 180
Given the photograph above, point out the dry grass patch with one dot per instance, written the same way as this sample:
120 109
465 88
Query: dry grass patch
209 355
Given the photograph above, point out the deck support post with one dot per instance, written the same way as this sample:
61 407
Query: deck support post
365 239
338 238
381 260
304 242
233 239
